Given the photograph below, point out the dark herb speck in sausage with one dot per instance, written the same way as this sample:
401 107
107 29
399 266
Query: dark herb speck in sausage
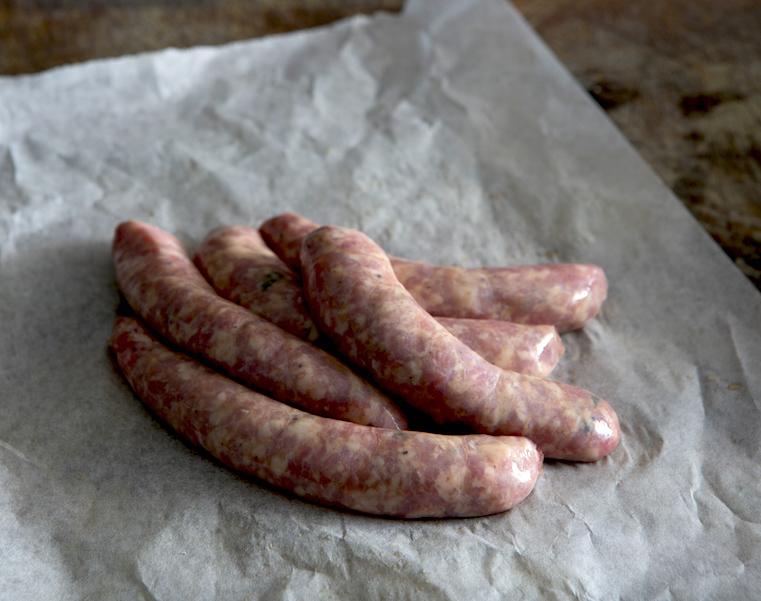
270 279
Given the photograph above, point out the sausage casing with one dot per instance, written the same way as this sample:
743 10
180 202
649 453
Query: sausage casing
565 295
355 298
164 288
241 268
372 470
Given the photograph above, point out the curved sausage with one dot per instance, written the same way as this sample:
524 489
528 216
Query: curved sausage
531 350
242 269
283 234
565 295
355 298
372 470
164 288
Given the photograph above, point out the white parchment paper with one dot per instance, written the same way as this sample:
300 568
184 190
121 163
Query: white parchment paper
449 134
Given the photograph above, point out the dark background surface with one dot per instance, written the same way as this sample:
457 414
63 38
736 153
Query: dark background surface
681 78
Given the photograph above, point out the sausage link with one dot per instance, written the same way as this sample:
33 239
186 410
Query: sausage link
283 234
356 299
565 295
161 284
242 269
372 470
532 350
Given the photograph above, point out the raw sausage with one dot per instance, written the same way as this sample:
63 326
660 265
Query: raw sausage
372 470
532 350
164 288
355 298
283 234
565 295
161 284
242 269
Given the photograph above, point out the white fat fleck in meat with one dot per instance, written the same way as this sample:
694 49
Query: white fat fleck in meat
278 465
354 445
151 297
185 372
308 382
449 480
221 413
225 348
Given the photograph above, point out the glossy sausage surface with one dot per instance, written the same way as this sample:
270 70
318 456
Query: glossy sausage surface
531 350
164 288
355 298
565 295
372 470
241 268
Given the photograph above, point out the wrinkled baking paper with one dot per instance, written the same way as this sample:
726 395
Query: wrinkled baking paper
448 133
